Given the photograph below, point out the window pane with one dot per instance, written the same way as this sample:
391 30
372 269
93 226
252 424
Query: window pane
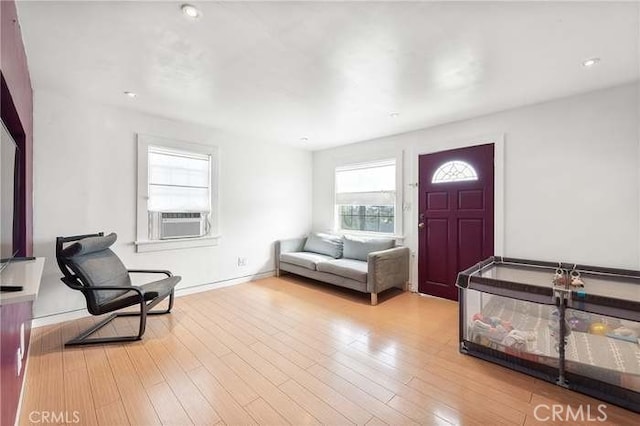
345 210
371 223
178 199
386 211
352 222
367 218
371 198
365 196
178 169
178 181
372 211
386 224
367 179
454 171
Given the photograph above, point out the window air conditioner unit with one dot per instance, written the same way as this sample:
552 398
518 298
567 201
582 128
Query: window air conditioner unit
170 225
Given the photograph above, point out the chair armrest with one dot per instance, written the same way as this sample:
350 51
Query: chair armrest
387 268
70 282
150 271
288 246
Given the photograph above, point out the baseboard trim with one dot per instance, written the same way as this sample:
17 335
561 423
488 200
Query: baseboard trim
223 283
198 288
57 318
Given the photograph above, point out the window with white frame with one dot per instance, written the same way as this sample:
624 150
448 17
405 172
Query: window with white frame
177 194
365 197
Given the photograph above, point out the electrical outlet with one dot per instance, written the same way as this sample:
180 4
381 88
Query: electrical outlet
242 261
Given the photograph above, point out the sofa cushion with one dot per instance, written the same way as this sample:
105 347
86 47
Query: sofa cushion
330 245
359 248
304 259
348 268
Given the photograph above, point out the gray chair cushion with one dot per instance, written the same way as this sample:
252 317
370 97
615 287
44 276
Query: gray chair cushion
359 249
330 245
304 259
101 268
348 268
98 266
89 245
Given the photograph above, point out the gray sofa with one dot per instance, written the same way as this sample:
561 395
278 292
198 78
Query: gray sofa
366 265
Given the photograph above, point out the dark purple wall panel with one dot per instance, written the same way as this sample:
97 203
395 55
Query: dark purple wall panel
16 109
15 72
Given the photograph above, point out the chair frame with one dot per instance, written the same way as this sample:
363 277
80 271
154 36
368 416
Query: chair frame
75 282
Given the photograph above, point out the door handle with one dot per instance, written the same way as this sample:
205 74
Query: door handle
421 225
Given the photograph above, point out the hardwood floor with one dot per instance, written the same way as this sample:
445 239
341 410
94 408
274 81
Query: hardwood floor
285 351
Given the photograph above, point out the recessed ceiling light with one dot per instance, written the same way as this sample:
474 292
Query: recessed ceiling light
590 62
394 114
304 139
190 11
130 94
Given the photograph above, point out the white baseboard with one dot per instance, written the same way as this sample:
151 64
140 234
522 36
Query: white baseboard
57 318
224 283
81 313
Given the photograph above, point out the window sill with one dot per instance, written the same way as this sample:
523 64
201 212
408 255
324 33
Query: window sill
369 234
144 246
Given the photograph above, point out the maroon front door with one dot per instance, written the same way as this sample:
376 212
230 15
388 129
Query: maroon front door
455 216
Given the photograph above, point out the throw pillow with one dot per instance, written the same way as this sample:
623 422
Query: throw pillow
328 244
359 248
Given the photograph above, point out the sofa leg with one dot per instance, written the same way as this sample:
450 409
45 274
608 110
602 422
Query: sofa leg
374 299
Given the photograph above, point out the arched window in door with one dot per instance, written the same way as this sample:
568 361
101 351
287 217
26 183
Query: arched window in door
454 171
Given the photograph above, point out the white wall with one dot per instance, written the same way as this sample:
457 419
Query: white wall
570 176
85 181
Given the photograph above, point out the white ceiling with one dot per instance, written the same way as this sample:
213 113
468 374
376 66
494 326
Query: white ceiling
331 72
